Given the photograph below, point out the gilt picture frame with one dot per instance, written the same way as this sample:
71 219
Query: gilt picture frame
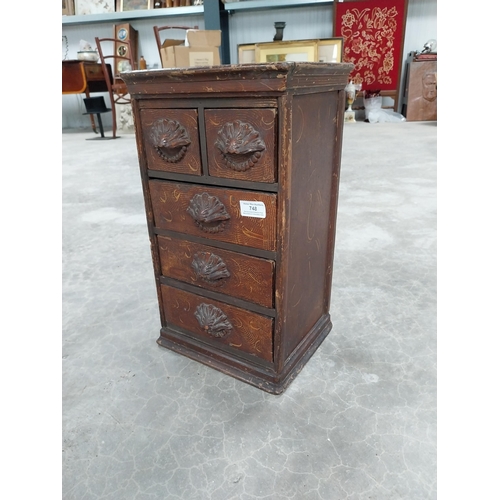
325 50
246 53
330 50
297 51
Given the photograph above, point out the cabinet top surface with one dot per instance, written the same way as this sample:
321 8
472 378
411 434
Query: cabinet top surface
254 70
238 77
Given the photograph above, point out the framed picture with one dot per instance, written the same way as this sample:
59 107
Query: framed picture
246 53
127 5
297 51
330 49
68 7
327 50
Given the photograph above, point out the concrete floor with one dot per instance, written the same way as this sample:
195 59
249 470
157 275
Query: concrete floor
359 422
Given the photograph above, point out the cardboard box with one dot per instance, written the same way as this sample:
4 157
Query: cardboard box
203 38
200 48
196 56
168 54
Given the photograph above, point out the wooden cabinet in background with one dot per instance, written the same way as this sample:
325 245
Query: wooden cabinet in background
420 90
240 172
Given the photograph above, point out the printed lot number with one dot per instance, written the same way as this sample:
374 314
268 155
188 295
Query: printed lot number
253 209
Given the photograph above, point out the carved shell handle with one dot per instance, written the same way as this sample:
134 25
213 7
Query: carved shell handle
213 321
240 145
208 212
210 268
170 140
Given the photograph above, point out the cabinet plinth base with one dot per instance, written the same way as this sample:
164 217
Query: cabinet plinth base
263 377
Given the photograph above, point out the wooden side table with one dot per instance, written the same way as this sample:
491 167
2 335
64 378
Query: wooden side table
83 77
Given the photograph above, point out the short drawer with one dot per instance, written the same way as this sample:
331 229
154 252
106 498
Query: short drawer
171 140
93 72
215 213
241 144
220 323
242 276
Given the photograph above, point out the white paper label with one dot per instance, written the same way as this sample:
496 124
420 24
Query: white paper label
201 59
253 209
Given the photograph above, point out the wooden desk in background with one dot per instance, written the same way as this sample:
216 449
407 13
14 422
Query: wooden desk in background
82 77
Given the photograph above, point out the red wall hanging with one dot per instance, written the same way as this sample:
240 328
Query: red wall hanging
373 32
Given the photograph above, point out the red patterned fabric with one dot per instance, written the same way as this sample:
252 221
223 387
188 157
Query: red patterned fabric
373 32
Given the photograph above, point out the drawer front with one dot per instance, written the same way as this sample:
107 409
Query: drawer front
242 276
171 140
241 144
221 323
93 72
215 213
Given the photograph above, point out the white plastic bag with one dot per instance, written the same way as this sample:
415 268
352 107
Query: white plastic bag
375 114
372 104
384 116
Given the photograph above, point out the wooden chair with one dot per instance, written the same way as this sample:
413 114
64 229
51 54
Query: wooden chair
157 30
118 92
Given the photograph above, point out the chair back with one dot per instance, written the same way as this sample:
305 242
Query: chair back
124 60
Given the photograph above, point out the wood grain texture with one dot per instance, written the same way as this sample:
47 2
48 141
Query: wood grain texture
250 278
263 122
188 118
250 332
236 80
310 224
172 200
203 246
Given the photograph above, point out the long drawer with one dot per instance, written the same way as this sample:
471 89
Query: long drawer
235 216
219 323
235 274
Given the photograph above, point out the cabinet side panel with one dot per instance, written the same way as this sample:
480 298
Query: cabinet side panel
148 205
314 128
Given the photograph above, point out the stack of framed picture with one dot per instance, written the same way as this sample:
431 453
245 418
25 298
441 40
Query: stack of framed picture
313 50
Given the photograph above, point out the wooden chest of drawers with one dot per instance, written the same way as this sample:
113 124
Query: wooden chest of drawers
240 169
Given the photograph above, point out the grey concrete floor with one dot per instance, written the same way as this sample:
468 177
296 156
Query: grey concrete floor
359 422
